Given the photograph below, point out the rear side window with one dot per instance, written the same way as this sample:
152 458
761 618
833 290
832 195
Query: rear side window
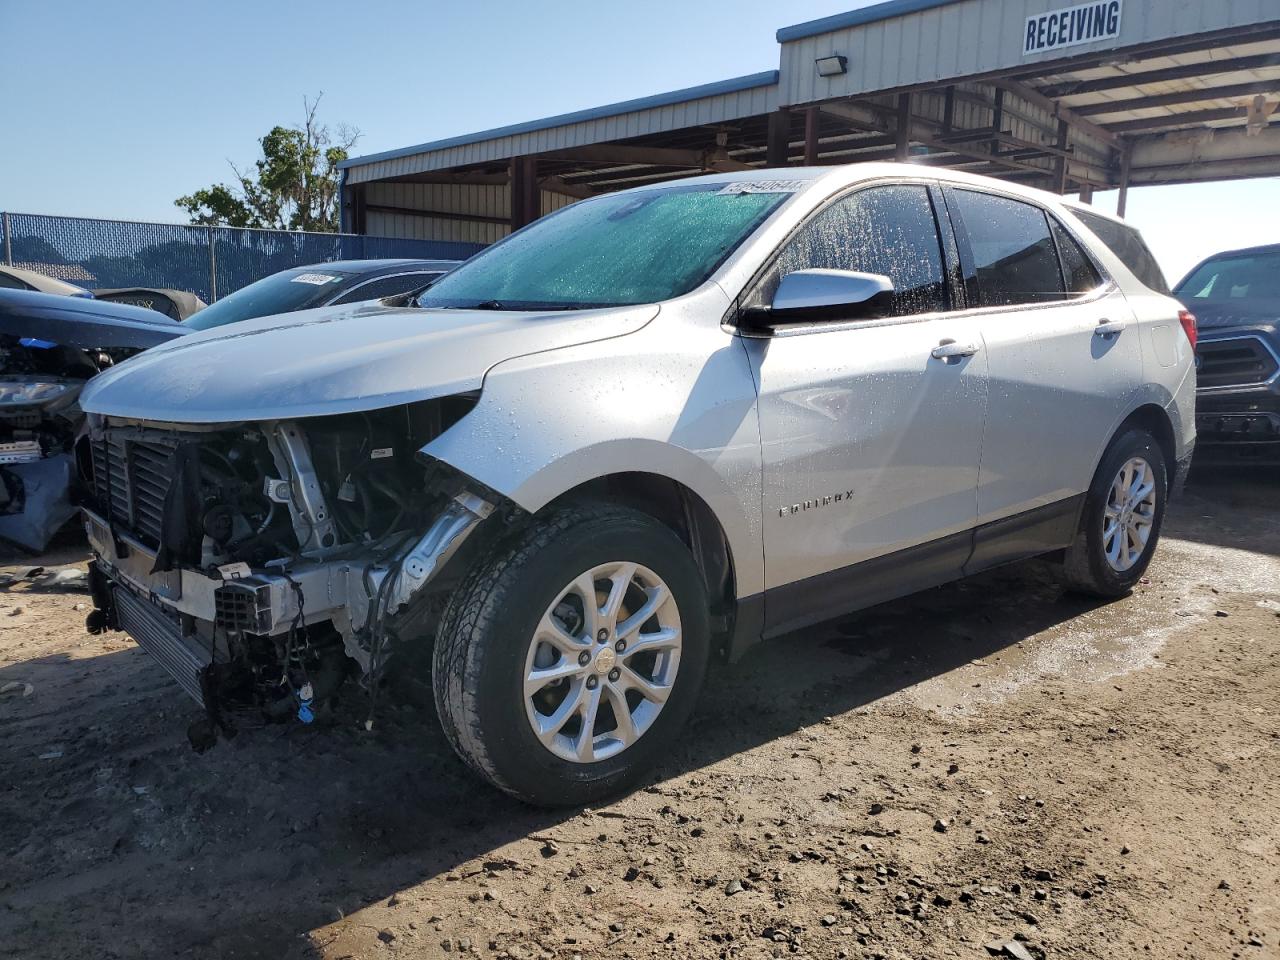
1080 274
386 287
1240 276
12 283
1128 246
887 230
1014 255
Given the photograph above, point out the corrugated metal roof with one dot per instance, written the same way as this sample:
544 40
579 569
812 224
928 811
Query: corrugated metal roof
854 18
749 82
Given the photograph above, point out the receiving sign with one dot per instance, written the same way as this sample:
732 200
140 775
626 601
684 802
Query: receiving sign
1083 23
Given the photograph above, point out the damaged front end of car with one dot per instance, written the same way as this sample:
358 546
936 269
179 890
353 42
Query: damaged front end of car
265 563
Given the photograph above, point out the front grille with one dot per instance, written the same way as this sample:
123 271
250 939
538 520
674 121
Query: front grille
132 470
1234 362
161 636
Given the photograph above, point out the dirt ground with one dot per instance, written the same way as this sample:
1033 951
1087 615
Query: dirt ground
990 767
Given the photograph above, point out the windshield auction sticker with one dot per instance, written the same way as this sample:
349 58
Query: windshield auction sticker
317 279
763 186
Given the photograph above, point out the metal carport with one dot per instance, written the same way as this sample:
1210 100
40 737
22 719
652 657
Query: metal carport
1067 97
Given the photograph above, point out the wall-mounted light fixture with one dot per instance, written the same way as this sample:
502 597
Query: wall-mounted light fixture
832 66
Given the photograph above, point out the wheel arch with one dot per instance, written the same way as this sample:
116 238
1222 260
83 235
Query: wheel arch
683 511
1155 420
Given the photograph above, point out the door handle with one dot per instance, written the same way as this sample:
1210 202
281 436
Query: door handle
950 350
1107 328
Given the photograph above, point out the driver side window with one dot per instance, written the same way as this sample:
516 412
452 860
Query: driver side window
887 230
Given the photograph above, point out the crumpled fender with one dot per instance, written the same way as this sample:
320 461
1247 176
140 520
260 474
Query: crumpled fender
675 399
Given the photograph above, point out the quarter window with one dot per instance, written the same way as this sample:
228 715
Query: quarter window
887 230
1014 255
1080 274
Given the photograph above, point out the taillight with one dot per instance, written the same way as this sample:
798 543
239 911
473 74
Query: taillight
1188 321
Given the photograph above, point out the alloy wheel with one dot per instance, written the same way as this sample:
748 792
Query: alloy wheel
1129 516
602 662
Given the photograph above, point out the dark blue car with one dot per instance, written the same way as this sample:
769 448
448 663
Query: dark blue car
49 346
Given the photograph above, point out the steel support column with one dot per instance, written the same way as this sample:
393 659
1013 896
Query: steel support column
778 145
526 203
811 118
1126 164
1060 162
902 129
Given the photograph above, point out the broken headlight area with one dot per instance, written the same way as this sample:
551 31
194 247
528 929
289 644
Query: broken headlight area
262 563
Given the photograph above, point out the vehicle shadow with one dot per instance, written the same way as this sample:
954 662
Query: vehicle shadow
1231 506
245 849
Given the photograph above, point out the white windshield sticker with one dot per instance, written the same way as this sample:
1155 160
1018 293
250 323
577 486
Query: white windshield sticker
763 186
318 279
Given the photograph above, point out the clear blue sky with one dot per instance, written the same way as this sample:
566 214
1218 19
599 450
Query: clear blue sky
115 109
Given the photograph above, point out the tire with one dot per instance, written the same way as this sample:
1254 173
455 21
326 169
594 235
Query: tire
1093 564
487 650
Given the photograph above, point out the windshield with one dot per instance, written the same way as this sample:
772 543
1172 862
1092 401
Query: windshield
1244 276
625 248
279 293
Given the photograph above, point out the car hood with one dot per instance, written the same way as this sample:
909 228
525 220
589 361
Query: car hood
81 323
336 360
1211 315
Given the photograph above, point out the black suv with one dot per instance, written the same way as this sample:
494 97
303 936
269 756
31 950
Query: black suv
1235 296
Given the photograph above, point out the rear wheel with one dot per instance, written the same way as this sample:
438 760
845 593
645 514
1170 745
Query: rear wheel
1121 520
567 663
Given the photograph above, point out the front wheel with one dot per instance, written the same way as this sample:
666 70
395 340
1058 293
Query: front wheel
1121 520
567 662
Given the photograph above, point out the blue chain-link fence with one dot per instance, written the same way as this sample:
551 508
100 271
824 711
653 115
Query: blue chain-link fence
207 261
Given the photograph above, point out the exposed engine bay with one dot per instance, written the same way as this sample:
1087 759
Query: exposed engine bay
265 563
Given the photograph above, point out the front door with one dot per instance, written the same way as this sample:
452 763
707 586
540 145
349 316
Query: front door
870 441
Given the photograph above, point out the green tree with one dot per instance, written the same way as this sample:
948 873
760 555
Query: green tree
294 186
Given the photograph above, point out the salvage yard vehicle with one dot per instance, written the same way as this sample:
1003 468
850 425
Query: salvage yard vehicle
651 426
49 346
1236 298
174 304
16 278
321 285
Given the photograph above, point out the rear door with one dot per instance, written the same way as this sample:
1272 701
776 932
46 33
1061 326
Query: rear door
1063 357
870 442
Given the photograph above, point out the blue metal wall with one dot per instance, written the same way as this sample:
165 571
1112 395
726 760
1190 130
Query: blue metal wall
207 261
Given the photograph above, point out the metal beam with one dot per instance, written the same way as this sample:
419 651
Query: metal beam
435 214
1204 68
1205 155
1230 91
558 185
476 179
1062 112
624 153
1186 118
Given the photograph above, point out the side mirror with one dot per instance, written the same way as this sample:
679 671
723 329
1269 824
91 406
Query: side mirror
808 295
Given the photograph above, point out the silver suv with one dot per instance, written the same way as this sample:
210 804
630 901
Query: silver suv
656 425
